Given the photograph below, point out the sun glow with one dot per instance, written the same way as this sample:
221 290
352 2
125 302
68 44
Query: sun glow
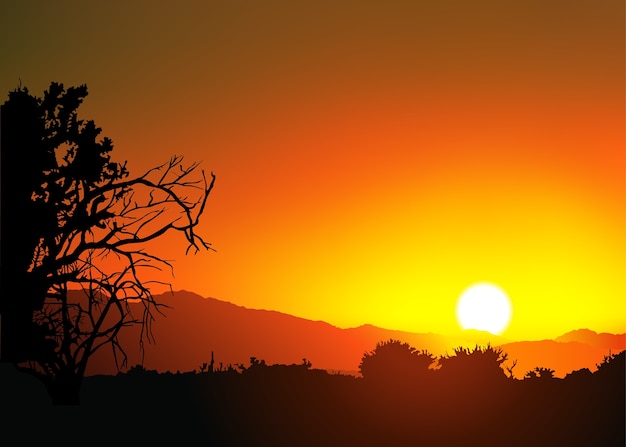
485 307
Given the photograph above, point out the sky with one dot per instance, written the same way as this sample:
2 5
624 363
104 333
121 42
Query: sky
373 159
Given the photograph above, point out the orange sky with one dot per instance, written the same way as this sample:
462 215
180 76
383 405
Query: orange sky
373 158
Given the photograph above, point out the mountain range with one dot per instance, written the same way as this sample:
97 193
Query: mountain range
192 329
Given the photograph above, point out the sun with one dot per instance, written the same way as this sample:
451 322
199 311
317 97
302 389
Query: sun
485 307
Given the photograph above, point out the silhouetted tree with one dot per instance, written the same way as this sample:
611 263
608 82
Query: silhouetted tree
395 360
74 231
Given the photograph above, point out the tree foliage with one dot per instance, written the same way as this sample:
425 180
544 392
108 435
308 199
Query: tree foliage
76 228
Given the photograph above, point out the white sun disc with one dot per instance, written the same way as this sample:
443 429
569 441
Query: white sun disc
485 307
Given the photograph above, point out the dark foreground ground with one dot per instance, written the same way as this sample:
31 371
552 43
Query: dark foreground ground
297 406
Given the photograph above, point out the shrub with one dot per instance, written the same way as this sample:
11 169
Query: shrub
612 368
394 359
539 373
474 366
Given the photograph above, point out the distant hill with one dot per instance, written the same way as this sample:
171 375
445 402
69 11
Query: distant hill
194 326
615 342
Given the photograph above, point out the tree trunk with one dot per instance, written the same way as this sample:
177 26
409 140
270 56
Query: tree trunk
65 389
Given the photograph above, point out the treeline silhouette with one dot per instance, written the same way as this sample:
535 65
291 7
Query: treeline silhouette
404 397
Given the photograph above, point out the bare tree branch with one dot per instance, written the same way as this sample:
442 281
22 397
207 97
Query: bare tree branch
88 259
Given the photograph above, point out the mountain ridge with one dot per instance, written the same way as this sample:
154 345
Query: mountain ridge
233 334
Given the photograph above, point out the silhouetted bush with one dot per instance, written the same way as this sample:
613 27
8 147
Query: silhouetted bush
139 370
394 360
579 374
612 368
540 372
479 365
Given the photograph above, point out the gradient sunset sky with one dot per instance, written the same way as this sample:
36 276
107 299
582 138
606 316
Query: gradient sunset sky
373 158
